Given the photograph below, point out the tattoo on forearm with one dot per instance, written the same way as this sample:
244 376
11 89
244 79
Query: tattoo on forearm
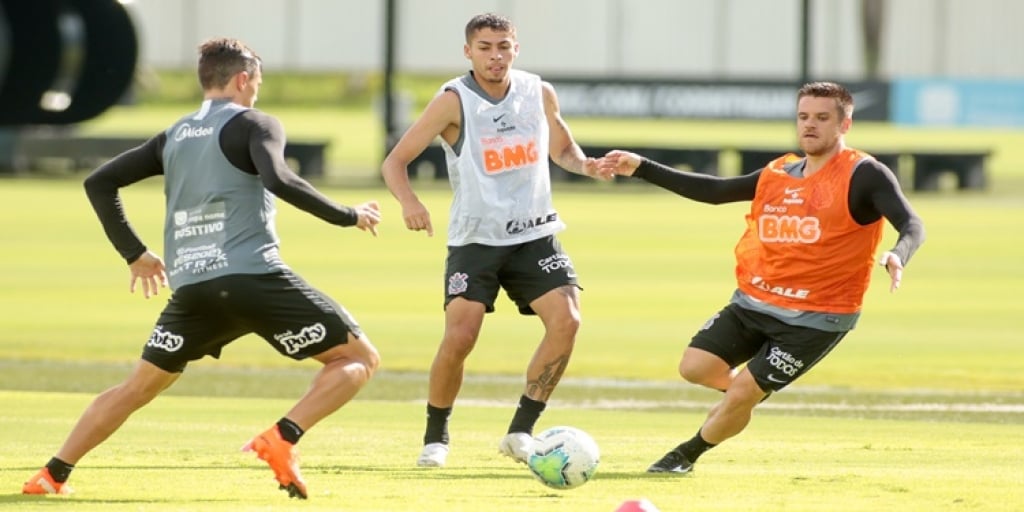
542 387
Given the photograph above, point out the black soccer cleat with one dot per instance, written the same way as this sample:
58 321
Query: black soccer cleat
293 491
672 462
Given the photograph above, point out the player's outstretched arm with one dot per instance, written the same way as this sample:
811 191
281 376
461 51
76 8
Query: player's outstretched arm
563 149
441 117
691 185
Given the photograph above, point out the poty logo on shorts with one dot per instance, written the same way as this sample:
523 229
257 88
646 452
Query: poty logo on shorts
165 340
309 335
458 283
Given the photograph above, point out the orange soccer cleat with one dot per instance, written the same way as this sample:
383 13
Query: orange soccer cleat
282 457
43 483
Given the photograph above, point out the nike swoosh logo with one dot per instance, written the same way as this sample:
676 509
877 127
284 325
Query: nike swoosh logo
496 119
771 378
793 190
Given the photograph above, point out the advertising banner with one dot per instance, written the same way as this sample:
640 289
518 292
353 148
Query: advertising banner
758 100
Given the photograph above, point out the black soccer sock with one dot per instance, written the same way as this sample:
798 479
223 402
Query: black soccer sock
526 415
289 430
437 424
59 470
693 448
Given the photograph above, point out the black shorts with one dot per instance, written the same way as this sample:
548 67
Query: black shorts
776 353
200 319
526 271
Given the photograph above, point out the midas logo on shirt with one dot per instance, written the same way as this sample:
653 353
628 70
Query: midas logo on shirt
788 228
499 157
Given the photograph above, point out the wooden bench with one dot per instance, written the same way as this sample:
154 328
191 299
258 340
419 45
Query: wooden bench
75 152
968 167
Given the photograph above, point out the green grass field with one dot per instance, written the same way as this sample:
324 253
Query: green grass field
921 408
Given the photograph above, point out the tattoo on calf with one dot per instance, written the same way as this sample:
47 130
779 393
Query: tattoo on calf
542 387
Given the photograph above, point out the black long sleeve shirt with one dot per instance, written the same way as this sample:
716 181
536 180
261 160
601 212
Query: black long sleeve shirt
252 141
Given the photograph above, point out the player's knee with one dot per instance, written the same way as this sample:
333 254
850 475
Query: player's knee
562 322
371 362
565 326
703 375
366 355
690 373
458 342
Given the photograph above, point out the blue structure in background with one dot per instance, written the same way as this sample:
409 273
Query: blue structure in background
958 102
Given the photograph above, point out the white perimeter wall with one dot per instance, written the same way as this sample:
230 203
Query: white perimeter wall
696 39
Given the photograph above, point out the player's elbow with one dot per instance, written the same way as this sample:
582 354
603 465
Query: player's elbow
393 166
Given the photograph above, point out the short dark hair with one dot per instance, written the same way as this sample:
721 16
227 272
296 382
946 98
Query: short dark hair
495 22
222 58
844 100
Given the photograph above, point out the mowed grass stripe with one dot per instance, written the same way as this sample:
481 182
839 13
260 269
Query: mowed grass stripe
181 453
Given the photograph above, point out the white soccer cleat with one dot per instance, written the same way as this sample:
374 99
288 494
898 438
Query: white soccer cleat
433 455
516 445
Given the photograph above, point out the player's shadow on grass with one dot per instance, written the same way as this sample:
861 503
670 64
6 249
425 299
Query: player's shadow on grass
415 473
62 501
476 473
639 473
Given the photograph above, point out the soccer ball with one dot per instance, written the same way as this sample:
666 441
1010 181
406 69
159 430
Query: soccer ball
563 457
641 505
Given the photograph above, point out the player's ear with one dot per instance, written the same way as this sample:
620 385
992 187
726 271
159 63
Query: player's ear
241 79
846 124
465 50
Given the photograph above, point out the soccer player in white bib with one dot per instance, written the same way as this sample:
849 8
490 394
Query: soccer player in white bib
498 126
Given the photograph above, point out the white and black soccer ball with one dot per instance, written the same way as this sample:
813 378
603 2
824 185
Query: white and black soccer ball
563 457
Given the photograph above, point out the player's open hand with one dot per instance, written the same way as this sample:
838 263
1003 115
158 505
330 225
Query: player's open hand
622 163
894 267
149 269
369 216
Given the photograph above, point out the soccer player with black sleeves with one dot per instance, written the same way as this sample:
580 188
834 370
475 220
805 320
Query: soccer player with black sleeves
222 167
802 266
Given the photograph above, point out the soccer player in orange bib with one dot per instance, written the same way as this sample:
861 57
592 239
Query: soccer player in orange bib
802 266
